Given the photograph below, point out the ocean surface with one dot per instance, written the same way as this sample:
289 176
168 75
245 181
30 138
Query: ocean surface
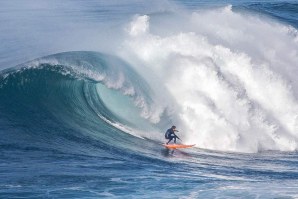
89 87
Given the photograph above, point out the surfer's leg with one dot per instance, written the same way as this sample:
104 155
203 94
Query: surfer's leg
175 140
170 139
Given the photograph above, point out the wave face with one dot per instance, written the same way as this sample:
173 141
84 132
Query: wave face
87 92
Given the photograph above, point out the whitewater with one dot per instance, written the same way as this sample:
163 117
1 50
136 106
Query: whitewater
88 89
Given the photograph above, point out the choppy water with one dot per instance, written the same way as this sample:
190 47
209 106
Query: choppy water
87 89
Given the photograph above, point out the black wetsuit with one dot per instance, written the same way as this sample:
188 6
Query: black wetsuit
170 134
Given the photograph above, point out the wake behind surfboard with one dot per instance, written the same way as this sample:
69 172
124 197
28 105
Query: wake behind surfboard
178 146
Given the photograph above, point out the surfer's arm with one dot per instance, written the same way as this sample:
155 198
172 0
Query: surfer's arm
177 137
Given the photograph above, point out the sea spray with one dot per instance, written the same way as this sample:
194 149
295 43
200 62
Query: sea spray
231 76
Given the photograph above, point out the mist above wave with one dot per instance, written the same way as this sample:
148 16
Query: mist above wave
231 76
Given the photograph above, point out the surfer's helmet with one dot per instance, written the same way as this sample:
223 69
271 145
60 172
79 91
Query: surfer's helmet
173 127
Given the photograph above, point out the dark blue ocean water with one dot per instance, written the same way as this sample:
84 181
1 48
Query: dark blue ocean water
86 94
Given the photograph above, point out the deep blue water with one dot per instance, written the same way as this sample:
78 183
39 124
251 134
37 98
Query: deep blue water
88 88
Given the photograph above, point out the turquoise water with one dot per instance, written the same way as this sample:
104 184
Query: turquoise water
88 88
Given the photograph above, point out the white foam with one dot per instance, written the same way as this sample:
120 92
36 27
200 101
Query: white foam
139 25
232 75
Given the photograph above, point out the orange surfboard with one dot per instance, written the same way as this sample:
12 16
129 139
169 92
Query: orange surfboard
178 146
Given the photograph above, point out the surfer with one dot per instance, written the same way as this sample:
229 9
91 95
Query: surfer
170 134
